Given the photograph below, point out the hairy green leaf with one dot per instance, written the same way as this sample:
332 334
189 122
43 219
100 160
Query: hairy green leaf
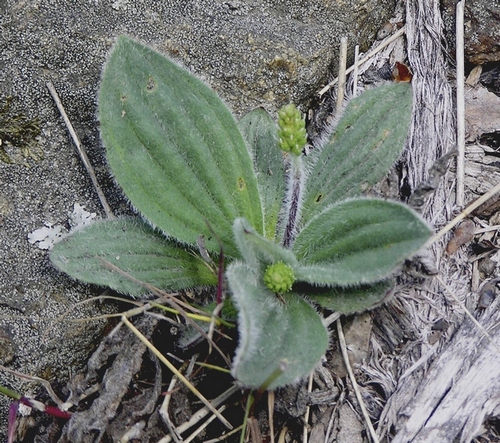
363 147
175 148
357 241
257 250
349 300
261 133
122 253
280 341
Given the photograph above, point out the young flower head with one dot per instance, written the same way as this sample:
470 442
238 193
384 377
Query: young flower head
279 277
292 129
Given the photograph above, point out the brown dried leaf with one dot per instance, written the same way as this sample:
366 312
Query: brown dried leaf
482 112
462 235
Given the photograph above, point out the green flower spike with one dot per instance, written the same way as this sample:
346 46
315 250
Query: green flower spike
279 277
292 129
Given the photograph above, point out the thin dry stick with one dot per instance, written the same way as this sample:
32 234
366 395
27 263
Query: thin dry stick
225 436
203 412
468 210
331 318
142 308
270 408
488 229
467 312
175 303
335 409
283 434
133 432
355 72
355 386
203 426
367 57
181 377
164 411
460 103
81 151
342 74
305 429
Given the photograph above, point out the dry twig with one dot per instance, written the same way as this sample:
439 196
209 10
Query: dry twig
164 414
270 408
308 409
175 303
203 412
367 57
203 426
355 386
81 151
460 103
355 71
450 293
172 368
342 75
467 211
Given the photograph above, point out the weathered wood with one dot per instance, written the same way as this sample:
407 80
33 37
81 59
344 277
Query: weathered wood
441 383
461 388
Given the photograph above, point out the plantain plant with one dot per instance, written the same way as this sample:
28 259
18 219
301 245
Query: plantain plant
296 233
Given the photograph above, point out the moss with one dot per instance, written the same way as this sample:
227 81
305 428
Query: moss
19 132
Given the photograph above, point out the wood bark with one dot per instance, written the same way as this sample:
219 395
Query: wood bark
460 389
441 382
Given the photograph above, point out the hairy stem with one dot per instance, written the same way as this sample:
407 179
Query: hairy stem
295 190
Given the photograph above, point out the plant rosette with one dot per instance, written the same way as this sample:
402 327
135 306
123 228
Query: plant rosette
295 229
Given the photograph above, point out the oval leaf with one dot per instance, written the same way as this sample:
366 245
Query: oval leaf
261 133
358 241
365 144
350 300
280 341
257 250
123 253
175 148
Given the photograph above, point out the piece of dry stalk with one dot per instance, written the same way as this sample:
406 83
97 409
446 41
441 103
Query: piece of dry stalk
460 103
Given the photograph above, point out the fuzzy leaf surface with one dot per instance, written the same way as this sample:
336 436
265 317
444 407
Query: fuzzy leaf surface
283 339
357 241
261 133
350 300
175 148
257 250
136 249
365 144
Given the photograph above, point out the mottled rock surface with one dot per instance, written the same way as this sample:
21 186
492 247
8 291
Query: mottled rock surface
482 29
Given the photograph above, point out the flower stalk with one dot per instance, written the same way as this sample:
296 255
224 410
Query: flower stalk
292 139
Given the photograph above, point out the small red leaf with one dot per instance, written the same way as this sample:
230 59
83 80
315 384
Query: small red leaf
401 73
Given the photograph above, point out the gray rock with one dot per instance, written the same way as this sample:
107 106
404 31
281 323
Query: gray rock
482 29
253 53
